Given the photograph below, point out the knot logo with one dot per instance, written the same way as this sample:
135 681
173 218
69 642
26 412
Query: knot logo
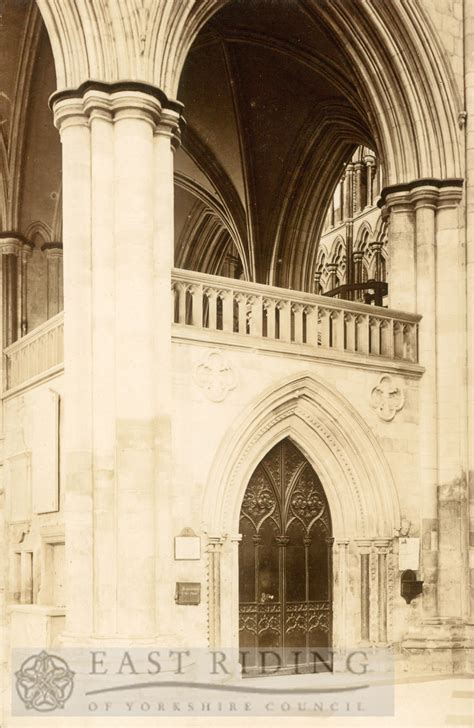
44 682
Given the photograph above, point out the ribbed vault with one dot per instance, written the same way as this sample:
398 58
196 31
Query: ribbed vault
277 95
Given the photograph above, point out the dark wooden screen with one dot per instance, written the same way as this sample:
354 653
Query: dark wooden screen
285 560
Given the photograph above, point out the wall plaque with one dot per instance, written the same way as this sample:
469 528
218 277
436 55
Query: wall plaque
408 554
188 592
187 546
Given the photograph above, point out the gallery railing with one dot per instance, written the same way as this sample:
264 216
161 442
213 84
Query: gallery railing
247 310
254 310
36 353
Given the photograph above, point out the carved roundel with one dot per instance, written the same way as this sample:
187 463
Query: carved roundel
387 398
215 376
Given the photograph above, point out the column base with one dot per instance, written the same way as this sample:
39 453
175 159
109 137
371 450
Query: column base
439 646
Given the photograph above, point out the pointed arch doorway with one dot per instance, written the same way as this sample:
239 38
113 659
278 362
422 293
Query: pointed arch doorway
285 569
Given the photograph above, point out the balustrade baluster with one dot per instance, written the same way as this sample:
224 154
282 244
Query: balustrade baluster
212 301
174 294
311 316
412 344
284 308
227 298
256 317
297 309
242 313
325 325
363 334
182 303
337 324
398 340
386 338
271 315
196 291
374 336
350 321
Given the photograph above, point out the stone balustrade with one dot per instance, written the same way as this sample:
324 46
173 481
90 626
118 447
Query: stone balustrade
36 353
266 312
249 310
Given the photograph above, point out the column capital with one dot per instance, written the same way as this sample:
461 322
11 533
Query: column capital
117 101
53 250
364 545
358 256
423 193
341 542
383 543
424 196
12 243
170 125
216 541
376 245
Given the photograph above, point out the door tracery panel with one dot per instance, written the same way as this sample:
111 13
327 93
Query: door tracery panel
285 559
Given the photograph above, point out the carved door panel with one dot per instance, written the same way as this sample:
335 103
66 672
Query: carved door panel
285 562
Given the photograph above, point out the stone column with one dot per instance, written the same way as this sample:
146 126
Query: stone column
341 596
118 241
366 592
77 434
26 252
440 285
214 588
229 594
167 137
54 268
401 237
382 547
424 199
469 224
342 197
452 442
453 550
11 246
376 247
317 282
358 203
349 192
370 166
357 258
332 270
349 249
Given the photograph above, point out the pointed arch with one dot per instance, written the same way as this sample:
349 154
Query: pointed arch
334 439
39 229
364 234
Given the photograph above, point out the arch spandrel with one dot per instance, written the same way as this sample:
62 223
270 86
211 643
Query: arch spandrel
333 438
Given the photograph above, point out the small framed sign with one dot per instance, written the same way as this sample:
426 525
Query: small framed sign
187 546
408 554
188 592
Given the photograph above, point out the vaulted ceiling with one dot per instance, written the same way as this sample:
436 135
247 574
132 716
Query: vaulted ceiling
273 112
30 151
